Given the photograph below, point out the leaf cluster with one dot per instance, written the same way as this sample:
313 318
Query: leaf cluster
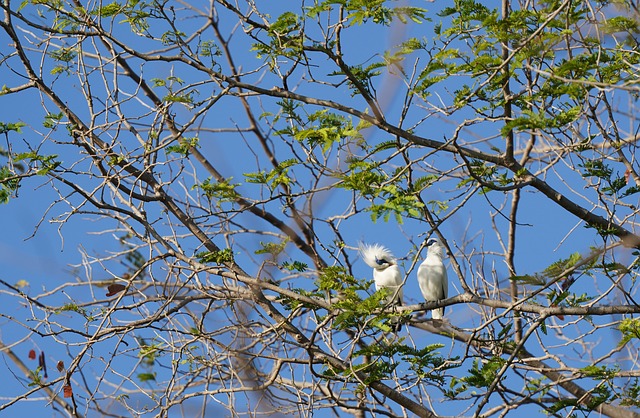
222 191
322 128
215 257
278 176
368 180
481 375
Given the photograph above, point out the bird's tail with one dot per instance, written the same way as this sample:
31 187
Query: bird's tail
396 323
437 313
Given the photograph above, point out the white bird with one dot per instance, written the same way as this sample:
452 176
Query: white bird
432 277
386 273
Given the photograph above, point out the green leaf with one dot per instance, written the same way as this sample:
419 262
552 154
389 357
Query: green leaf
184 146
364 177
46 163
52 119
147 377
295 266
12 126
223 191
600 372
630 329
110 10
9 184
273 248
559 267
216 257
274 178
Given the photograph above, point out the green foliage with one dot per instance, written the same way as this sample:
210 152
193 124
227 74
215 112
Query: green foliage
611 185
172 37
274 178
37 379
184 146
109 10
481 375
630 191
134 12
185 98
149 352
373 371
335 278
147 377
45 163
631 395
426 362
363 77
600 372
441 66
285 39
532 120
489 175
537 386
353 310
621 24
323 128
135 261
64 57
630 329
298 266
215 257
175 94
273 248
169 82
52 119
377 11
397 202
600 394
72 307
365 178
11 126
293 303
530 279
559 267
596 168
9 184
223 191
209 49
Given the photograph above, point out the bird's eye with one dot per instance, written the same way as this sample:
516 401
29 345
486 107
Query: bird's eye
381 261
431 242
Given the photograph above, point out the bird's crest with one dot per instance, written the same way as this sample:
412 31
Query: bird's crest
376 256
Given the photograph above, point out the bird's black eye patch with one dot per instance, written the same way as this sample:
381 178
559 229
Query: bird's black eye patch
431 242
381 261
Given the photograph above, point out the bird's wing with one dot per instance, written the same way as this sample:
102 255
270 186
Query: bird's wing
445 283
399 284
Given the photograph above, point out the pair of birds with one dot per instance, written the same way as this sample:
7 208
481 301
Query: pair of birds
432 274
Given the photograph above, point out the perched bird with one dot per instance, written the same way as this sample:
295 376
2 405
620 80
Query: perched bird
386 273
432 277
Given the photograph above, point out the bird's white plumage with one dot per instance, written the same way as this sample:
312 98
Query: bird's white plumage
432 277
386 273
